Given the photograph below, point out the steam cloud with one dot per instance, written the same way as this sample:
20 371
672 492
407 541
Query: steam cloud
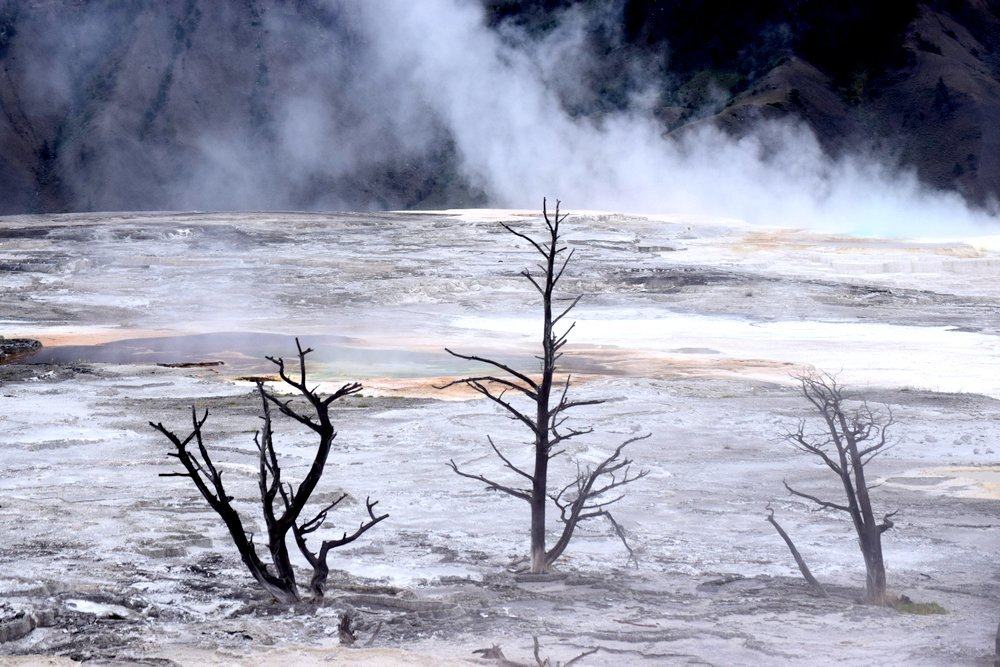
516 140
404 79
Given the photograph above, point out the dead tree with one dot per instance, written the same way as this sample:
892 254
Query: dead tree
592 489
282 504
851 436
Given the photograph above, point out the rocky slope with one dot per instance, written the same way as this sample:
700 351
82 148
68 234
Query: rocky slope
186 104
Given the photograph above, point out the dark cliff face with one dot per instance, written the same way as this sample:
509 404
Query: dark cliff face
249 104
918 81
198 104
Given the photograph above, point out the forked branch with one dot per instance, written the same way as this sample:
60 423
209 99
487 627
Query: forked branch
593 495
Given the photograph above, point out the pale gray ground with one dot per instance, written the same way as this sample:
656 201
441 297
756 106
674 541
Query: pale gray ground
86 520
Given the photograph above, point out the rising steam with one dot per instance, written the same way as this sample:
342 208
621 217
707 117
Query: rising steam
333 101
517 141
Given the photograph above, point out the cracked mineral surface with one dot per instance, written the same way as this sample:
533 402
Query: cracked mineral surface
690 327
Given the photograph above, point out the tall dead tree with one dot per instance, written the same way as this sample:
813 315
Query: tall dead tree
592 489
282 504
852 434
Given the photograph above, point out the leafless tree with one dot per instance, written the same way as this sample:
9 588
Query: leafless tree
282 505
592 489
852 434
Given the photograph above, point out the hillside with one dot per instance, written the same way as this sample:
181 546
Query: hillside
187 104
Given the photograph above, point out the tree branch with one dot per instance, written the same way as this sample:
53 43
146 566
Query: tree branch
821 503
803 568
507 369
496 486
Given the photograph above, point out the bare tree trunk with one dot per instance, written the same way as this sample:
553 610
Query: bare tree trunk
283 592
547 422
875 587
538 503
268 468
317 583
803 568
540 475
539 486
870 535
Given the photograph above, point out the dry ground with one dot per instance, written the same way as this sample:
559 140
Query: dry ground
691 329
